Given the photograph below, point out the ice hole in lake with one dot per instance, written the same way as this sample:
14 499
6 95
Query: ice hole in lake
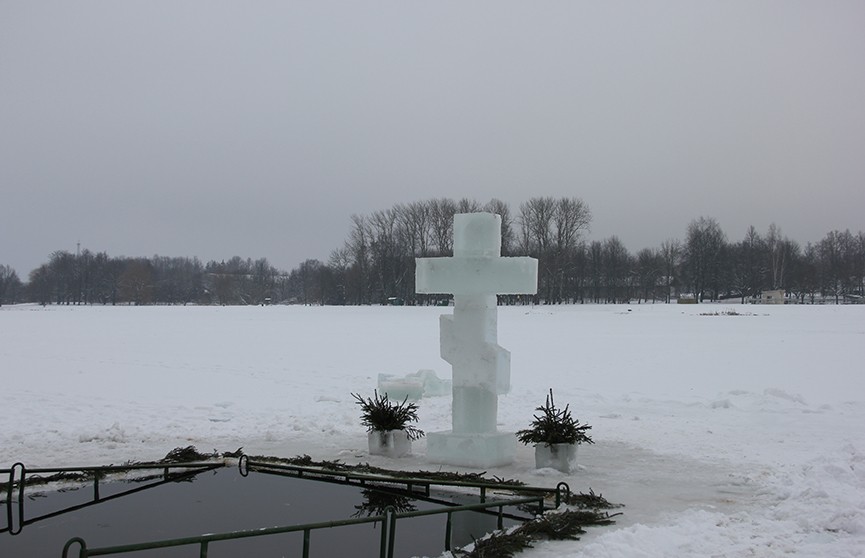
222 500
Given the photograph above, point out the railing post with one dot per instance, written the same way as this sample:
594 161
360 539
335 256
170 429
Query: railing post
390 514
448 528
382 549
306 543
562 486
19 465
202 553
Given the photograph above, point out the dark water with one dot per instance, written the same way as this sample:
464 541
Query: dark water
220 501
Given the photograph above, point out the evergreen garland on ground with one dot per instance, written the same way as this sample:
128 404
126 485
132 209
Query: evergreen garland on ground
187 455
556 526
590 501
307 461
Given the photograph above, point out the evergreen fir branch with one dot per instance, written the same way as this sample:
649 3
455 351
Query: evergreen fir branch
381 414
555 426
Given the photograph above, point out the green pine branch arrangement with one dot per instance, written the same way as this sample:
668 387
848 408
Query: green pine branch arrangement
555 426
380 414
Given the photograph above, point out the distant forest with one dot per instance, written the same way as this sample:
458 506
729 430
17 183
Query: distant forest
376 265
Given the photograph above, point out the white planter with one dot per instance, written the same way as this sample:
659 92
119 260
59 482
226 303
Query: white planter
562 457
390 443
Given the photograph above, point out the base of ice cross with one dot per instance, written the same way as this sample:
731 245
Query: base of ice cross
471 450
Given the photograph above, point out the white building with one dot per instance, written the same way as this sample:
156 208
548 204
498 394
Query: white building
775 296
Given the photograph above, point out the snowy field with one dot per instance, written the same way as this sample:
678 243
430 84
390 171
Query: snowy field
727 435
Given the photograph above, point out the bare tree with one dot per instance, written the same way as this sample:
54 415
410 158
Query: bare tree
415 227
41 285
649 267
264 277
136 282
307 282
467 205
704 252
536 240
671 257
442 213
358 246
388 269
748 264
837 264
63 270
503 210
571 218
859 264
536 225
595 265
777 260
616 268
10 285
340 263
551 230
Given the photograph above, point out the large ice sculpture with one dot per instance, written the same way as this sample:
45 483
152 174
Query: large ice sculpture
481 369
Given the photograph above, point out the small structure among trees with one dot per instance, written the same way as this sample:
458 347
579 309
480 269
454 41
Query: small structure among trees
773 296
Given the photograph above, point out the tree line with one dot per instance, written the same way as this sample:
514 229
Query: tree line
376 263
97 278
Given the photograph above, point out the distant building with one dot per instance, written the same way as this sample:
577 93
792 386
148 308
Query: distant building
775 296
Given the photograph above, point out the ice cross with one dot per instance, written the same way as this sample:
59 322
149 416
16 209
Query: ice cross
481 368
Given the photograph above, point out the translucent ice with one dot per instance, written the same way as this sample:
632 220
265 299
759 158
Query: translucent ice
481 368
398 389
390 443
423 383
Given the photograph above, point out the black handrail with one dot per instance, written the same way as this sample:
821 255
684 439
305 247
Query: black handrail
388 518
192 469
363 479
386 548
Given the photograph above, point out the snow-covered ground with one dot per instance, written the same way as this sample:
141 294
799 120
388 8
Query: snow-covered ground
724 435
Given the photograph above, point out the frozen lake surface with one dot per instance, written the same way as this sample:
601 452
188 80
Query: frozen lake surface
724 435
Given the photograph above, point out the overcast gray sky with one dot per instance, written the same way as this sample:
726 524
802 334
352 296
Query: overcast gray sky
256 128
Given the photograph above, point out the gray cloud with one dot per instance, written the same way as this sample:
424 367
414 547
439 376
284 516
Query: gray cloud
257 128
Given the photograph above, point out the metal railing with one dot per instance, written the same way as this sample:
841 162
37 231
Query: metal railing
410 483
386 547
419 487
17 478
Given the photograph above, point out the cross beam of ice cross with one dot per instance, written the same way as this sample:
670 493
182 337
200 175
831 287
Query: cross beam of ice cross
477 266
481 368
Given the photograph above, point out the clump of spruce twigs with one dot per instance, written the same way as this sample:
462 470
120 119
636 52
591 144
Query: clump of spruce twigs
187 455
565 525
380 414
555 426
590 501
376 502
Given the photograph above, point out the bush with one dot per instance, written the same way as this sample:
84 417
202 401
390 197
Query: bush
380 414
555 426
